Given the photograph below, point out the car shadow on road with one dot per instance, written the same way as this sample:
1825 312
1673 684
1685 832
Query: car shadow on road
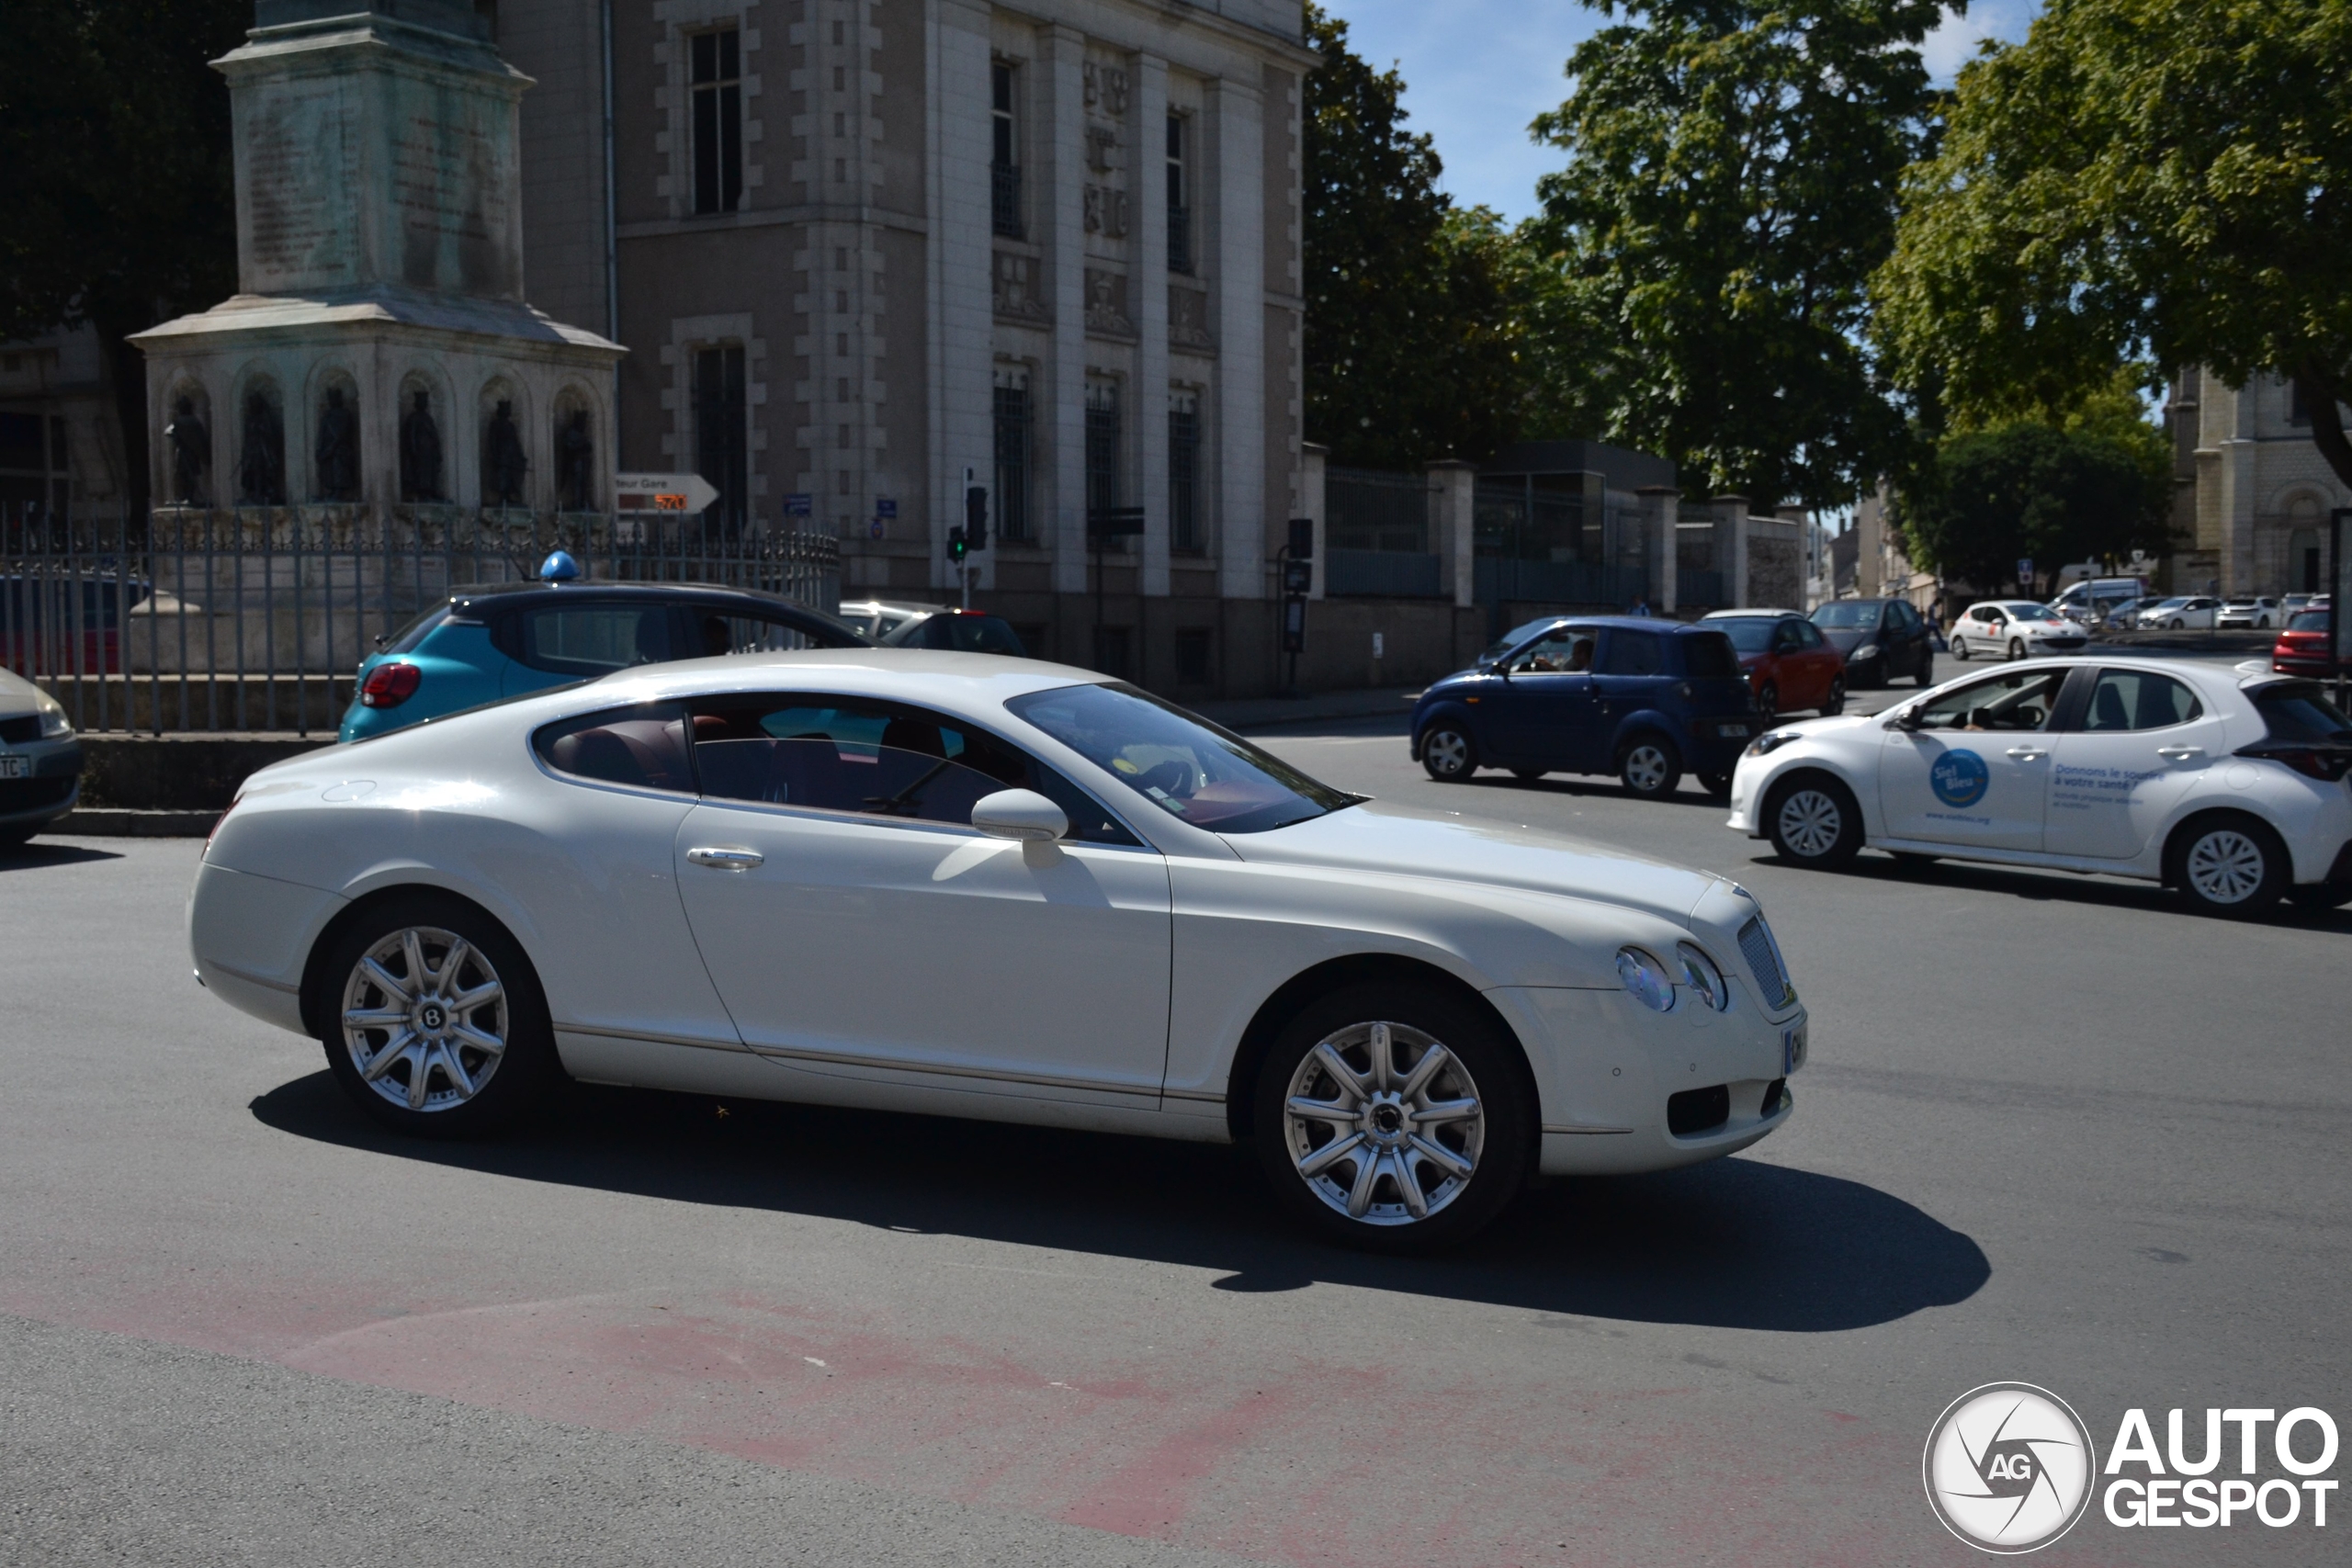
2054 886
1736 1243
1594 784
37 854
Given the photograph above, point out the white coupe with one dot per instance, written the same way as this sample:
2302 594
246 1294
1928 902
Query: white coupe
979 886
2230 788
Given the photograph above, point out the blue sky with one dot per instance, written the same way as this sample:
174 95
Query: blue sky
1478 71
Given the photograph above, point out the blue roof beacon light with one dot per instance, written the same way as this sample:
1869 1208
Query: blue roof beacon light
559 567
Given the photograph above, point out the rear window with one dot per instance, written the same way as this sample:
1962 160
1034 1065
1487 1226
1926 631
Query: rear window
2299 711
405 639
644 747
2308 621
1751 635
1708 655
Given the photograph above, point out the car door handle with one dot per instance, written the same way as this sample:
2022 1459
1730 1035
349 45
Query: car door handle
726 860
2027 753
2179 753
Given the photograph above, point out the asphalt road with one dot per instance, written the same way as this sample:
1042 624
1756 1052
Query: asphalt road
2053 1130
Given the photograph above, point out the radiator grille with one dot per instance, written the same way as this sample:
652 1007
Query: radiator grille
21 731
1763 957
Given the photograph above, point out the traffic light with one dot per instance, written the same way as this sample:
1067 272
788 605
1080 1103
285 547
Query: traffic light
957 545
976 517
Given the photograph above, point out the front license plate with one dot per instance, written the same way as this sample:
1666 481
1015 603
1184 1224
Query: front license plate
1792 1049
15 767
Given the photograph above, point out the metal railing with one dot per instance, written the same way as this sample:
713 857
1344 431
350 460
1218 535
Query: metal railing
255 618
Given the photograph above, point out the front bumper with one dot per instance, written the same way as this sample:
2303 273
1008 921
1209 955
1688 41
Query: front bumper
50 790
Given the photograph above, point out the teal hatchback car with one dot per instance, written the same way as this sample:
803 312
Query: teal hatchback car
504 640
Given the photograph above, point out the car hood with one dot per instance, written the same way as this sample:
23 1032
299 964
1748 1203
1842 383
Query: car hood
1845 640
1379 836
18 696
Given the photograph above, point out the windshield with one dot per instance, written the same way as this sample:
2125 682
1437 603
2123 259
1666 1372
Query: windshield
2299 710
1511 640
2032 611
1750 634
1185 766
1852 614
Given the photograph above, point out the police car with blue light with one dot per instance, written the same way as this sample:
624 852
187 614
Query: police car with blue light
2229 788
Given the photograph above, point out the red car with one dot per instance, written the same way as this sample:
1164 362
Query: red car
1790 665
2301 649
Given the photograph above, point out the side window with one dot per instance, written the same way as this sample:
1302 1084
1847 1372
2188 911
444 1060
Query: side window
1809 635
713 630
874 758
1566 651
2133 699
1632 653
644 747
591 640
2023 700
1786 639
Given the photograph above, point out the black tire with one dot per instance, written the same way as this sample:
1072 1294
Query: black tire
1716 784
1497 1144
1835 703
1815 821
1650 767
2318 897
2228 864
2016 649
1447 753
1768 700
1927 676
1959 649
518 1078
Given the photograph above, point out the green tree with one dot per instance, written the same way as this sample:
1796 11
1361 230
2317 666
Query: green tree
1731 185
115 173
1412 350
2163 179
2022 490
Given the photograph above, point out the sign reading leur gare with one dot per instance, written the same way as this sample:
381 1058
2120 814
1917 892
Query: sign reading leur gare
662 492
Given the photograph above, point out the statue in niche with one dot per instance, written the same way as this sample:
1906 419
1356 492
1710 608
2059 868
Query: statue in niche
502 462
338 451
575 463
191 453
420 452
261 471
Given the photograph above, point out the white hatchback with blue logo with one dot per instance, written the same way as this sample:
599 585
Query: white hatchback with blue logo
2231 790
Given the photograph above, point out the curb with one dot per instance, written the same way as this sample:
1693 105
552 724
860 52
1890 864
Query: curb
107 822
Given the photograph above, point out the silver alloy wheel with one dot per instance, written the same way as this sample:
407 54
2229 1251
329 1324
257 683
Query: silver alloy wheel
1646 767
2225 866
1384 1123
425 1018
1810 822
1447 750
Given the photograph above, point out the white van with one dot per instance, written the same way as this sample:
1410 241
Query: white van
2092 600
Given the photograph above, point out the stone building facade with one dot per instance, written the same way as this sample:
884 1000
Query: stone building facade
2251 493
863 248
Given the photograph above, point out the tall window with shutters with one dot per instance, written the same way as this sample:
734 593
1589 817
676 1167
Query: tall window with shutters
1012 454
1179 199
1184 533
717 91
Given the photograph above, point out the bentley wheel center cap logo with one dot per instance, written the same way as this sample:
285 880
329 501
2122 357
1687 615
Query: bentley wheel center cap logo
2008 1466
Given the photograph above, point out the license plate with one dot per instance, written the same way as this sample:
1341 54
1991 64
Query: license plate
15 767
1792 1049
1732 731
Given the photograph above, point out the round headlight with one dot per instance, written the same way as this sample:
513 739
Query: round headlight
1646 980
1699 973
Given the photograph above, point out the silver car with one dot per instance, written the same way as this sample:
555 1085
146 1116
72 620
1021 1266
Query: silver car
40 759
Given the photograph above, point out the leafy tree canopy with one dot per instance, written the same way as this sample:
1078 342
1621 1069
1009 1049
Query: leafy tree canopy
115 171
2160 178
1732 178
1986 499
1414 310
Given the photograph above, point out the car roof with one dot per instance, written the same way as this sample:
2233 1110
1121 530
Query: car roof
909 606
1621 623
914 674
526 588
1752 614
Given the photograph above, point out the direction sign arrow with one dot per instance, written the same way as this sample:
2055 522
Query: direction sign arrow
662 492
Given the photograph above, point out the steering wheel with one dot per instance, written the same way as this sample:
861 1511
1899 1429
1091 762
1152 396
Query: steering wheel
1171 778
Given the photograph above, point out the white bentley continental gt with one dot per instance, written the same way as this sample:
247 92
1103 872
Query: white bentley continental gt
971 886
2230 788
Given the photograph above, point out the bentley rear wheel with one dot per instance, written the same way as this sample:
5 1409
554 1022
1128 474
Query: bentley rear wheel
437 1027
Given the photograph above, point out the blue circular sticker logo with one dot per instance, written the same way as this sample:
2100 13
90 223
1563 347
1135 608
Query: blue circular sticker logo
1960 778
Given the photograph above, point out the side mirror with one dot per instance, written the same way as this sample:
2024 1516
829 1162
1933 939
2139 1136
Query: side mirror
1027 817
1908 718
